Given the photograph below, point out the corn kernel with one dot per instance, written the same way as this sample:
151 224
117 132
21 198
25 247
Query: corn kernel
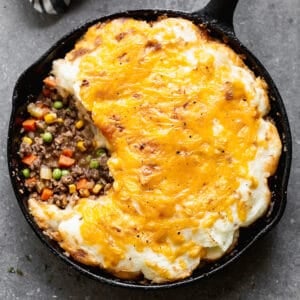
84 192
97 143
50 118
59 120
80 146
72 188
79 124
97 188
27 140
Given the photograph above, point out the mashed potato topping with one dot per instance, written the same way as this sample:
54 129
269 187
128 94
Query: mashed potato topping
191 152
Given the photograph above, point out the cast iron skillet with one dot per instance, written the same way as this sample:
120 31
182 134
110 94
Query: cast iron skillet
217 16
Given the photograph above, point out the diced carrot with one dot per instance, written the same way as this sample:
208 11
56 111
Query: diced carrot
29 125
82 184
29 159
65 161
67 152
50 82
46 194
30 181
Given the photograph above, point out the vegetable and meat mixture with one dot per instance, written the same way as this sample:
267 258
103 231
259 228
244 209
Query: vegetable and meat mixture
61 160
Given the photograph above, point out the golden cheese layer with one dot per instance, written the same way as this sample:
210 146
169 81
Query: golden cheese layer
190 151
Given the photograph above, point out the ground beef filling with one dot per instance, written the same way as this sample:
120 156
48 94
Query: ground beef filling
61 161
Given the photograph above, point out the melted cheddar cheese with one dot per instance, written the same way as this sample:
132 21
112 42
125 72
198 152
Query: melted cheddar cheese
183 119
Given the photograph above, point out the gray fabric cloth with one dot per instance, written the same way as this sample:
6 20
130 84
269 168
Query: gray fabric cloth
50 6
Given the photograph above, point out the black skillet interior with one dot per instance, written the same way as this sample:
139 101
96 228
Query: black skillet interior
217 16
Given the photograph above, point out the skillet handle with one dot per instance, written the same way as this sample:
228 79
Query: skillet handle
220 11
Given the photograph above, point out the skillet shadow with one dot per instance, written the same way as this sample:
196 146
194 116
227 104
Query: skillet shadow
27 14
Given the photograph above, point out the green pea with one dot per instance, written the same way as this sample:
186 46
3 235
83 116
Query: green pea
65 172
58 105
100 151
47 137
57 173
94 164
26 173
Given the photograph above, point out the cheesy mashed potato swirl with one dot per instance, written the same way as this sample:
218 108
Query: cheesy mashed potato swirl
191 151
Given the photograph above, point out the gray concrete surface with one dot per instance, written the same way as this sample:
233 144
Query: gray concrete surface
269 270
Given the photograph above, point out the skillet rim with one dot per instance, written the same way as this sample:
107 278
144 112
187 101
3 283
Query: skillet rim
146 14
